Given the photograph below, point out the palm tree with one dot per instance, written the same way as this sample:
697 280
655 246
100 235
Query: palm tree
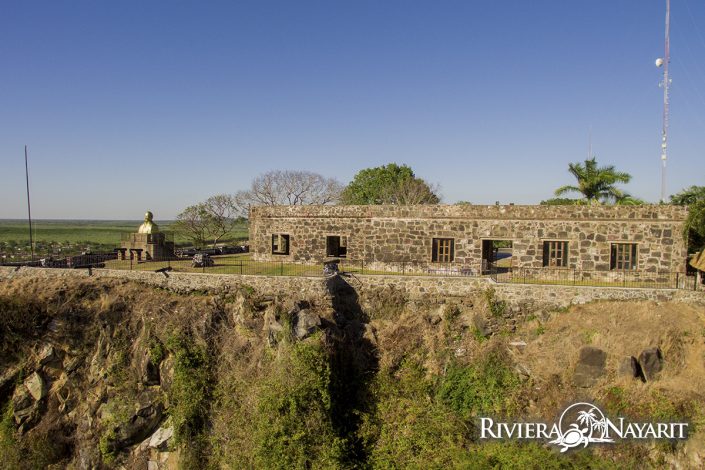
694 228
596 184
627 199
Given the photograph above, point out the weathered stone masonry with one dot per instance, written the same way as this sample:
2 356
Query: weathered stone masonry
380 235
426 289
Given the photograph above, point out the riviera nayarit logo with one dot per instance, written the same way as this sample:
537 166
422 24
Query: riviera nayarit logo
581 424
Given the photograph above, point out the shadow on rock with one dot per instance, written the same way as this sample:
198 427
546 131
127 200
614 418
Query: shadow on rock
354 363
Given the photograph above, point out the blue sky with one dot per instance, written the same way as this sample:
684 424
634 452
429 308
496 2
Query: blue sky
128 106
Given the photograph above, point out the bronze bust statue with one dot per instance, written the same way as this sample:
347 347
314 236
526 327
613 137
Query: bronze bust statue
148 226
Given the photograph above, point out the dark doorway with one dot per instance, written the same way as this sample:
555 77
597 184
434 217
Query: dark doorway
337 246
496 256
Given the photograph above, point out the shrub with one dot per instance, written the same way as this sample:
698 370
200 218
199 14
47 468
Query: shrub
9 447
190 390
484 387
293 426
20 318
409 429
156 350
497 307
530 455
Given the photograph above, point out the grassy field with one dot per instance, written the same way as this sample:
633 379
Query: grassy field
75 236
233 264
93 231
67 231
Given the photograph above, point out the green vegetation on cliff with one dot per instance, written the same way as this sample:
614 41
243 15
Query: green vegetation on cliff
132 374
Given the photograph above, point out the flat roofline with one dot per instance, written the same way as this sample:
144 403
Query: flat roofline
655 212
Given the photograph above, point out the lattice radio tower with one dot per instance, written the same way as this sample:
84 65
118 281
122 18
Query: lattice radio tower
665 84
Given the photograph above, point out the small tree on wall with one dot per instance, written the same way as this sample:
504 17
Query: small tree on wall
596 184
389 184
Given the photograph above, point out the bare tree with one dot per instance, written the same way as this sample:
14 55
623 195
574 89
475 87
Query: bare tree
209 220
290 188
190 222
222 213
414 191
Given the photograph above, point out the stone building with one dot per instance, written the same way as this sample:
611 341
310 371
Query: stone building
587 238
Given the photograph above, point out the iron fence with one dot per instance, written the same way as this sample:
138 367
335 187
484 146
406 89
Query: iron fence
238 264
243 264
615 278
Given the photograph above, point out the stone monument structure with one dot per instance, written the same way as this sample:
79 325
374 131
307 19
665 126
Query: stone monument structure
148 243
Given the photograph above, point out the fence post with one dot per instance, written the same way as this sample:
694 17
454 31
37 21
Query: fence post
677 280
281 268
574 275
241 267
130 261
362 266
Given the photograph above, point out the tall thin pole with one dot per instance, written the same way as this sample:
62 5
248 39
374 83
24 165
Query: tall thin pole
590 143
29 206
666 85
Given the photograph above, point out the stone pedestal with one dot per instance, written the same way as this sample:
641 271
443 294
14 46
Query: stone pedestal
148 246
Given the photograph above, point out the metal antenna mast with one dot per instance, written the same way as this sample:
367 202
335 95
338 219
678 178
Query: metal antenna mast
590 144
666 83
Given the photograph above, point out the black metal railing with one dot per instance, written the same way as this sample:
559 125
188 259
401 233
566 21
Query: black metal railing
615 278
243 264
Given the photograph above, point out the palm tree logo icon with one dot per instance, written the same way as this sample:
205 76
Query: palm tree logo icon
589 426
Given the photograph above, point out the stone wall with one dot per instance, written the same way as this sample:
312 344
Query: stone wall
425 289
270 286
381 235
435 290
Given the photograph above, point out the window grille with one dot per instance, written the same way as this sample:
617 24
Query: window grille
443 250
623 256
555 254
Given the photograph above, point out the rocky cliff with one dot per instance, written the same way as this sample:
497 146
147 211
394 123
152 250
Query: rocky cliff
107 373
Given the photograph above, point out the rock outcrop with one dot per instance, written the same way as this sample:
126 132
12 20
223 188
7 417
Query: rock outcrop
590 366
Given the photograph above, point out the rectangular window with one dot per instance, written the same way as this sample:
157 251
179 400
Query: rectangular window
337 246
623 256
443 250
280 244
555 254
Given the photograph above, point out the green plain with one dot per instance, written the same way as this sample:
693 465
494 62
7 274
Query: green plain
98 232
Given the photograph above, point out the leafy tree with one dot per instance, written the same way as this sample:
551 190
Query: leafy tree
389 184
596 184
694 229
294 188
210 220
689 196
